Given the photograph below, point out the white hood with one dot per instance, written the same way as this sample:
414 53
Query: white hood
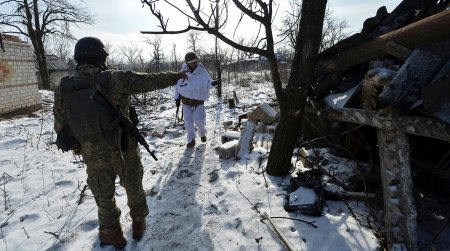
197 86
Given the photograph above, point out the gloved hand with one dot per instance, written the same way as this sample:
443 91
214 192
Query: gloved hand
178 102
215 82
185 76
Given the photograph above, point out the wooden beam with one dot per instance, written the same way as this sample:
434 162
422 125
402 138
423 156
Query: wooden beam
420 126
421 33
399 209
397 50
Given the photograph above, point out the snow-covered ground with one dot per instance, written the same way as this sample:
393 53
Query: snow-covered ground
41 207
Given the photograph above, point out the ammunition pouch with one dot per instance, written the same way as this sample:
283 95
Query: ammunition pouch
65 141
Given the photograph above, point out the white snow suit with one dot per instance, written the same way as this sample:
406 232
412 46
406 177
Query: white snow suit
193 92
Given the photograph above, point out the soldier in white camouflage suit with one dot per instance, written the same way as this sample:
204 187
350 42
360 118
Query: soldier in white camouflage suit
105 150
193 93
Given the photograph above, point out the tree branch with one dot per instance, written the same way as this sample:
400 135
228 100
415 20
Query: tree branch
248 12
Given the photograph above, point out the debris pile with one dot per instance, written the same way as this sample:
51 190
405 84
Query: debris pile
382 98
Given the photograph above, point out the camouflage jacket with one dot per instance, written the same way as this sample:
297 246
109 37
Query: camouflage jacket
122 85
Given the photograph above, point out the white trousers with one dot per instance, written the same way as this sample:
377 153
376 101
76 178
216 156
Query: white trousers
194 116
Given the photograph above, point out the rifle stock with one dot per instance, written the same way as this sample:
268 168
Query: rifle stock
124 122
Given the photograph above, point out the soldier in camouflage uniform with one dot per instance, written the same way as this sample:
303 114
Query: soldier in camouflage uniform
102 154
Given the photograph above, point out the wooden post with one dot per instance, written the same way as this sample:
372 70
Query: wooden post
421 33
399 210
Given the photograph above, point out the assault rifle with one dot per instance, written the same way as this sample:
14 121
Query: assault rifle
123 121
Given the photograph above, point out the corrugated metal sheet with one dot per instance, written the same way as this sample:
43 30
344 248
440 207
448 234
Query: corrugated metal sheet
55 63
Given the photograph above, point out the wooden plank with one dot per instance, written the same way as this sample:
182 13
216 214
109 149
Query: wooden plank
420 126
411 36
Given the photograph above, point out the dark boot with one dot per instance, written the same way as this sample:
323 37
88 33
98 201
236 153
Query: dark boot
138 229
112 238
203 138
191 144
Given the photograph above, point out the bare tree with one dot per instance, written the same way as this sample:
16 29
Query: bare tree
334 30
39 19
61 47
174 57
131 55
240 55
157 54
217 49
193 40
291 98
113 60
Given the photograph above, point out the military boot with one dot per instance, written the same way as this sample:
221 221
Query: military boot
138 227
191 144
112 238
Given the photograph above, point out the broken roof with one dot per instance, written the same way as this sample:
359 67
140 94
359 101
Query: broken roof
402 58
55 63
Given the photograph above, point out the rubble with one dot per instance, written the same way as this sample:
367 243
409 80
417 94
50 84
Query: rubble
246 140
230 135
264 113
228 150
384 87
159 131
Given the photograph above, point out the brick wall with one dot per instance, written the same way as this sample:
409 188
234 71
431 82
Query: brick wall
18 82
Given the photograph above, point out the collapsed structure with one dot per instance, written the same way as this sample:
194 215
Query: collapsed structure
394 76
383 95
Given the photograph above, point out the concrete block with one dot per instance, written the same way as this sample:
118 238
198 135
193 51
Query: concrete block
265 113
228 150
230 135
159 131
246 140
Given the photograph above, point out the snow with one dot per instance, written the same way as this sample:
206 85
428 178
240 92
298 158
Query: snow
302 196
41 207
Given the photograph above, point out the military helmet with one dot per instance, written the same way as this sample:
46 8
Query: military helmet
190 57
90 47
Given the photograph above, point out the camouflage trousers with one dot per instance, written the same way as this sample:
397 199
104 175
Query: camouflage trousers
104 163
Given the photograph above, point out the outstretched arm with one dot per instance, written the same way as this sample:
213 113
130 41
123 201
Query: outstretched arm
136 82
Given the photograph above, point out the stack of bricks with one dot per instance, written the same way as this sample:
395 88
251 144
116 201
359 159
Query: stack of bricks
18 82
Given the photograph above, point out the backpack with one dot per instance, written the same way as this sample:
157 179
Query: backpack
86 119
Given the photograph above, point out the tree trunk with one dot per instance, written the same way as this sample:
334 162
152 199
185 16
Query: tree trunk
283 143
218 70
41 59
217 60
36 37
42 63
292 99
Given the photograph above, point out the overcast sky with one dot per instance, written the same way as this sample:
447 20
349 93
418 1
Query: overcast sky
119 22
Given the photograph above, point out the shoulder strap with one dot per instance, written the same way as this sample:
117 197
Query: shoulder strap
103 83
